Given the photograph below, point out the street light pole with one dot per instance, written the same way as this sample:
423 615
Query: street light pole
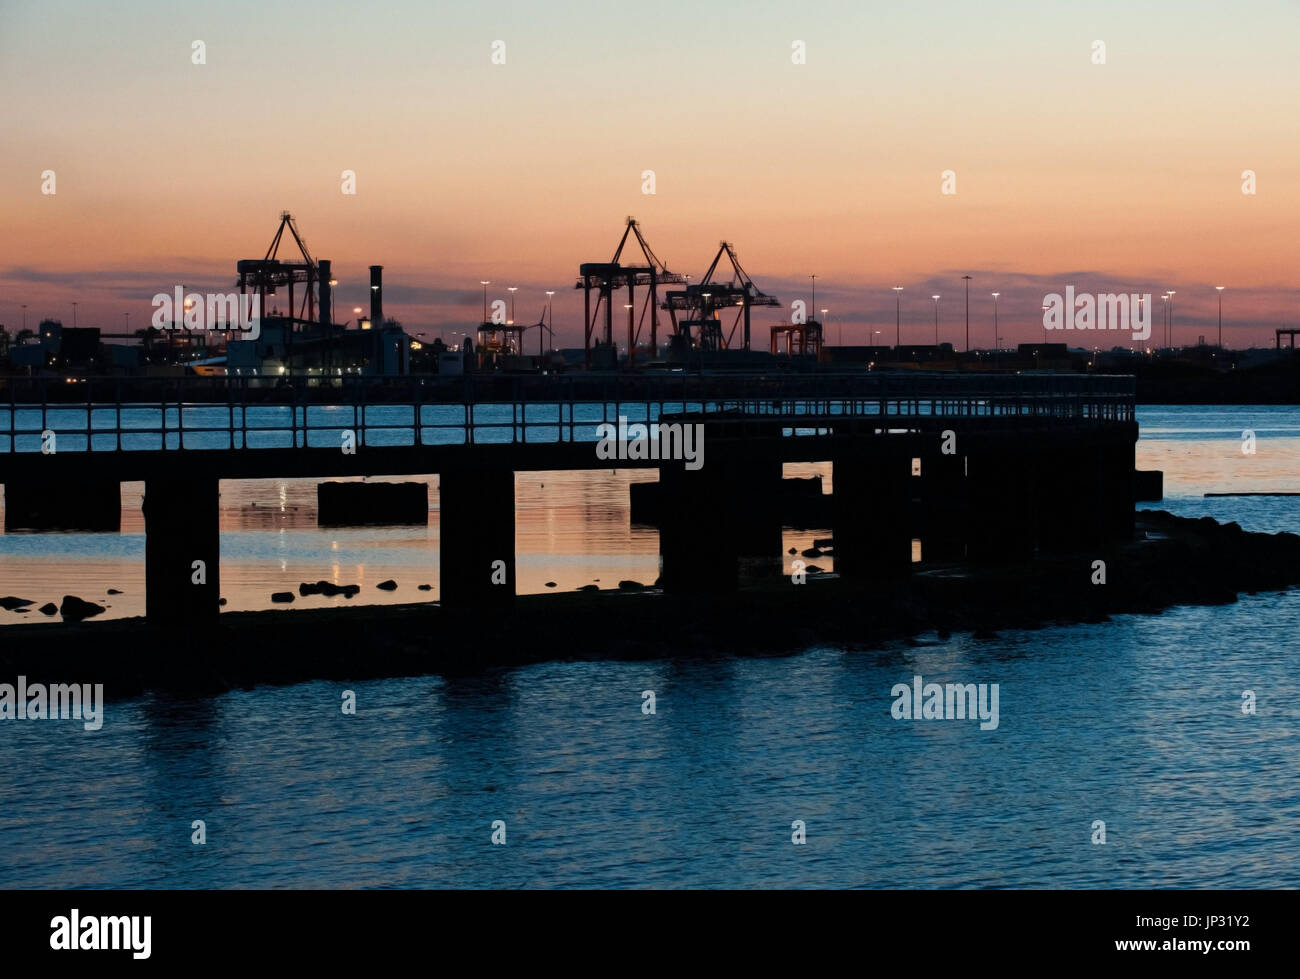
631 343
1220 288
549 321
898 316
967 278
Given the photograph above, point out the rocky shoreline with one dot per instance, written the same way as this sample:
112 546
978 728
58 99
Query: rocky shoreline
1172 561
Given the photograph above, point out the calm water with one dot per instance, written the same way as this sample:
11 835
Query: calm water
1136 722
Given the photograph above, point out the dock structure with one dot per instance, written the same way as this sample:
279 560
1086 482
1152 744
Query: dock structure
990 467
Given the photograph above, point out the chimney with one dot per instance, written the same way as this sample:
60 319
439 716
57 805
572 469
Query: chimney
323 268
376 297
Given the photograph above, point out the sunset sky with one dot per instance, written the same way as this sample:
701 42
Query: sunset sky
1118 176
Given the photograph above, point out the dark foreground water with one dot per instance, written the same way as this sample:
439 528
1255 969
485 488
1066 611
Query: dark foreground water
1136 722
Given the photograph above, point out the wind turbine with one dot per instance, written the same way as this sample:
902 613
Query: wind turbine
539 326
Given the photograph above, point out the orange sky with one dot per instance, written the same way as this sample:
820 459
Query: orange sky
1123 175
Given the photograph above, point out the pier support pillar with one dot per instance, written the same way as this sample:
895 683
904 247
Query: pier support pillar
476 550
872 515
756 495
182 551
719 524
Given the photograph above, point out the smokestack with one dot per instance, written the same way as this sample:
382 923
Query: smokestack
376 297
323 266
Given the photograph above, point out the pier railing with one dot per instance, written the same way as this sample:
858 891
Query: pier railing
180 413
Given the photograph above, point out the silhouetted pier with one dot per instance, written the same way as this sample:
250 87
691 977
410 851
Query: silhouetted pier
993 465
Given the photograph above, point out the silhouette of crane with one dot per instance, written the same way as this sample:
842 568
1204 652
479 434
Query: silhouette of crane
605 278
702 302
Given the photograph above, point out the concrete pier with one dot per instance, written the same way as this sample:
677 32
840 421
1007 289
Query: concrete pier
476 537
182 551
1043 463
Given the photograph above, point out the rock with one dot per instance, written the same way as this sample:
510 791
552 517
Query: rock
221 601
426 588
588 588
812 552
794 550
823 541
328 588
49 608
282 596
630 586
813 569
9 602
114 591
550 584
389 585
75 609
